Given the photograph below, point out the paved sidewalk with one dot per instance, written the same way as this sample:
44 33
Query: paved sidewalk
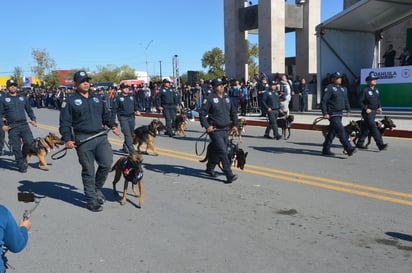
304 120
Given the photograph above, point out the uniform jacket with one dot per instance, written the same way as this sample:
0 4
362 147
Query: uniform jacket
335 100
14 109
218 112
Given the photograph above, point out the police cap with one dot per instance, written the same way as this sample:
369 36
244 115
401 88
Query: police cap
217 82
80 76
337 75
11 83
124 85
371 77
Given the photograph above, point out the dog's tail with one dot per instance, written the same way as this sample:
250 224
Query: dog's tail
115 165
316 121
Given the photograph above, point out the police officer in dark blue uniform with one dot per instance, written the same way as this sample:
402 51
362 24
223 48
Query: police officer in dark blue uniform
271 103
13 109
125 107
169 102
334 101
85 114
2 133
370 104
216 115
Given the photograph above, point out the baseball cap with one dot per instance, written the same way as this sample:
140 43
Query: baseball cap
80 76
337 75
166 80
371 77
124 85
217 81
10 83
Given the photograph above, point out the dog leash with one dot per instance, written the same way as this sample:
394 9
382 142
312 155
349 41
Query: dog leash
63 152
204 135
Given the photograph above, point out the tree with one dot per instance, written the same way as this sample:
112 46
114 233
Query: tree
253 55
18 75
214 60
44 63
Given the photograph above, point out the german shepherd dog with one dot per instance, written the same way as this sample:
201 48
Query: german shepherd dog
241 129
147 134
180 124
285 123
352 129
131 169
385 123
237 156
41 146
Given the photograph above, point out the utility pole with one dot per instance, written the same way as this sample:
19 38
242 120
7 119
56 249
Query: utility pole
160 62
176 70
147 57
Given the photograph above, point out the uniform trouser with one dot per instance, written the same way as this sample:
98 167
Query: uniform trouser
97 149
127 125
2 138
218 151
369 125
16 135
272 123
170 115
336 129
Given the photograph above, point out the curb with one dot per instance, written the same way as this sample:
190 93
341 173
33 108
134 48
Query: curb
301 126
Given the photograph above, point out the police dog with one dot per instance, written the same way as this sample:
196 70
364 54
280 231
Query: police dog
180 124
285 123
385 123
352 129
131 169
241 129
41 146
235 155
147 134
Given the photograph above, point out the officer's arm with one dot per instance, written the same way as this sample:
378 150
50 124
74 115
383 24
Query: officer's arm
324 104
65 123
29 111
203 112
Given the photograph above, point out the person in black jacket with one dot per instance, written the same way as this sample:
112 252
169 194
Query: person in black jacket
169 102
271 104
334 101
218 116
13 109
86 115
370 104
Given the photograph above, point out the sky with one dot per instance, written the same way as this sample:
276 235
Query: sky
87 34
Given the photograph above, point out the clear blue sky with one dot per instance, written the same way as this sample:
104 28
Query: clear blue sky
87 34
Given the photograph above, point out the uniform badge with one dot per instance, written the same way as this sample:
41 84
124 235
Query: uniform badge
334 89
131 97
370 93
78 102
63 104
377 91
7 99
215 100
227 100
21 99
121 99
204 101
96 100
325 90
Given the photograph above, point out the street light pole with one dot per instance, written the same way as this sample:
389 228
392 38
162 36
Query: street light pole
160 62
147 57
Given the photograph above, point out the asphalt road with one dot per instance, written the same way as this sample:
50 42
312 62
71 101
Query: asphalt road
291 210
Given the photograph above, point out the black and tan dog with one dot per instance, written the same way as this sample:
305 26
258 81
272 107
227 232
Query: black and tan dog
352 129
285 123
131 169
237 156
41 146
383 125
180 124
147 134
240 130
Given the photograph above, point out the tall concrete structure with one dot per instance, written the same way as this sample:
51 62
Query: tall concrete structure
270 19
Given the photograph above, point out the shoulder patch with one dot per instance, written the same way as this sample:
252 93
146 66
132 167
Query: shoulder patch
204 101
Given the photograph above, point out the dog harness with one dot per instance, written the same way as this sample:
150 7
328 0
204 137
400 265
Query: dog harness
131 174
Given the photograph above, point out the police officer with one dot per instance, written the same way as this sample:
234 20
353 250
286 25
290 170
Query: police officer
2 133
370 104
271 103
126 108
216 115
334 101
13 109
169 102
86 115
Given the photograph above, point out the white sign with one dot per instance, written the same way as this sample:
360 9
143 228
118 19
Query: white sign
396 74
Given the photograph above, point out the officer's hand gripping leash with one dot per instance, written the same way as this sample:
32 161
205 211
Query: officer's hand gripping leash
64 150
25 197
